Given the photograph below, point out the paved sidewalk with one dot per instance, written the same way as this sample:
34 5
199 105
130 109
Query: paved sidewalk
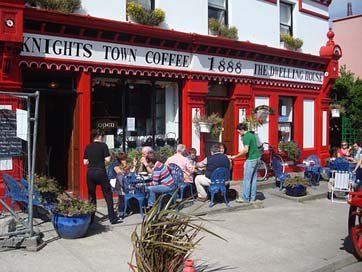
276 234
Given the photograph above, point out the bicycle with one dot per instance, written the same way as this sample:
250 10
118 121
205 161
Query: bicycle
265 164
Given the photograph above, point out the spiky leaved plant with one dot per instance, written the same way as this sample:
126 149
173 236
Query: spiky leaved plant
165 238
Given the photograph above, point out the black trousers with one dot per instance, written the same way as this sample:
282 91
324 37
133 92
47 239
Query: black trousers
99 177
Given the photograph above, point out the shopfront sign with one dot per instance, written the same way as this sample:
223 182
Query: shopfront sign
52 47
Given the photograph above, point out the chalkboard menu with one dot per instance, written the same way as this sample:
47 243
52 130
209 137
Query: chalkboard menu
10 144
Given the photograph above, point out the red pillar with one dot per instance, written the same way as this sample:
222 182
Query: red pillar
84 97
193 96
241 96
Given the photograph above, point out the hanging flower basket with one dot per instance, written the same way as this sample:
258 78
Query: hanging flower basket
205 127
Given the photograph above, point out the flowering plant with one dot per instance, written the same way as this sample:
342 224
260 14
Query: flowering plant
214 120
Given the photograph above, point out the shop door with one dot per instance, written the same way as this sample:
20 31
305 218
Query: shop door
56 122
212 106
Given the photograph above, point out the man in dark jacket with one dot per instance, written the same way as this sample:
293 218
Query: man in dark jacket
215 160
95 155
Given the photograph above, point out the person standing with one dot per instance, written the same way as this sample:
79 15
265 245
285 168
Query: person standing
95 156
250 150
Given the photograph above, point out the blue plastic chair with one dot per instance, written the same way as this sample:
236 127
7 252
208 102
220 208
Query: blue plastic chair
133 191
218 179
341 164
278 172
178 177
15 192
313 170
37 197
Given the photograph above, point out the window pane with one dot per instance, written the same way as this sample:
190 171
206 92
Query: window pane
285 14
285 29
217 3
217 14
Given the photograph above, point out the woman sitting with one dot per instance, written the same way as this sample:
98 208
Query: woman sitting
122 169
162 181
344 151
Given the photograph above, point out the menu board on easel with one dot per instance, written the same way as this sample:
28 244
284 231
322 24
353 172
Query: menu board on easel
10 144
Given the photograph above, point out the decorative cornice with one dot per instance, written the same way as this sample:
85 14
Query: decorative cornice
100 69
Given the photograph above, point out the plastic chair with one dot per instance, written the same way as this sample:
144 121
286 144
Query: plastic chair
341 182
37 199
313 169
133 191
178 177
218 178
15 192
278 171
341 164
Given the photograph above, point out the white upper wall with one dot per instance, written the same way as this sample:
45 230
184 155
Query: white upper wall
257 20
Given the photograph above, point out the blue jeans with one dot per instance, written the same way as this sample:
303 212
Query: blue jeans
158 189
249 183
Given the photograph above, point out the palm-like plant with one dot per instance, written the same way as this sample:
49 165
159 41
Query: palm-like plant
165 238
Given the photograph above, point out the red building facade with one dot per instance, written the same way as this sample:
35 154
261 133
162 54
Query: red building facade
93 72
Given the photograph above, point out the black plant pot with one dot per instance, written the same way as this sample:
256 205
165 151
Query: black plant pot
298 190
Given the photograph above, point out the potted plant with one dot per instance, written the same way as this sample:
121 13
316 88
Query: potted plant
214 26
253 122
209 124
164 153
165 238
69 6
290 42
291 149
72 216
47 187
138 14
296 186
336 110
229 32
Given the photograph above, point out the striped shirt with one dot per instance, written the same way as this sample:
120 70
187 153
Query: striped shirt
161 175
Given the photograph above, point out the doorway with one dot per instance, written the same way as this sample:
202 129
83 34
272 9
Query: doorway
55 123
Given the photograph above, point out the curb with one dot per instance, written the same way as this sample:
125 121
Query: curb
300 198
336 265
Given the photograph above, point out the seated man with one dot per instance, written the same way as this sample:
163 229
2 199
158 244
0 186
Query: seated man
162 181
184 163
144 167
215 160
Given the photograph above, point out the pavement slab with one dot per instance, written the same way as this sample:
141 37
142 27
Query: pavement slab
275 234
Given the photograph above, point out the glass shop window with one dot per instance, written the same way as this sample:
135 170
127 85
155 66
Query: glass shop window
285 119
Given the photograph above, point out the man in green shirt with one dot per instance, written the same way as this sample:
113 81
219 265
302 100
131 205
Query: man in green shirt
251 151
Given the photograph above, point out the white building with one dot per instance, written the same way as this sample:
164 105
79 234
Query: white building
257 21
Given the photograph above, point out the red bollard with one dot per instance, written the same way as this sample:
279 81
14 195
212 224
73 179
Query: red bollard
189 266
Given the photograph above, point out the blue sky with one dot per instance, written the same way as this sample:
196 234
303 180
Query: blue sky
338 8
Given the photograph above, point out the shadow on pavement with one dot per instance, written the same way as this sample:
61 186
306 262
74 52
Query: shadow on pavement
211 268
347 245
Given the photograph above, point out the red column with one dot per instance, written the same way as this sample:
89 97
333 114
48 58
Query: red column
242 100
193 96
84 100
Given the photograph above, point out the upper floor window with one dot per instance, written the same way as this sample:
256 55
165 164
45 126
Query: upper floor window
218 10
286 18
147 4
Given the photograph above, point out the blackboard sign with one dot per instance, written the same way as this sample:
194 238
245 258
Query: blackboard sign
10 144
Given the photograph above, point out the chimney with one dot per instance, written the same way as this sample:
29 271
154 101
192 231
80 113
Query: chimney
349 9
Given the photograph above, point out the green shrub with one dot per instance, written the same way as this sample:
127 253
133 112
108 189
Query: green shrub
58 5
229 32
143 16
291 148
294 43
214 24
69 206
